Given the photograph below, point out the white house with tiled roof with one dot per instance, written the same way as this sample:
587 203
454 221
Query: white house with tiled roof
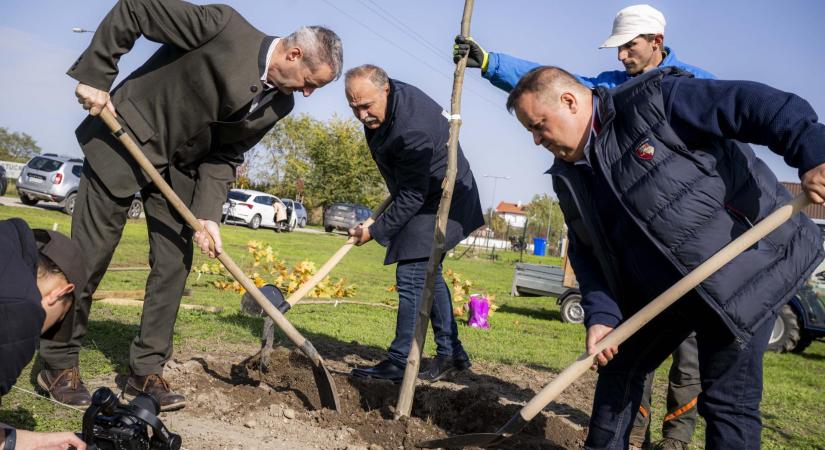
512 213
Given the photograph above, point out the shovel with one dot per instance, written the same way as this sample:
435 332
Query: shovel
277 299
625 330
326 385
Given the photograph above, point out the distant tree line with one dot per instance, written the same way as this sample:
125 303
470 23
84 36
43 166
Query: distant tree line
17 147
320 162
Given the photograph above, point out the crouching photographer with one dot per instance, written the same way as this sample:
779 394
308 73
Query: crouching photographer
41 275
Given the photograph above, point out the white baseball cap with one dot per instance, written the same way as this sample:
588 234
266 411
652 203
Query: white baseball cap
633 21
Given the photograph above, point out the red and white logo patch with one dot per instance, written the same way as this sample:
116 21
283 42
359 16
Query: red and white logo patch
645 151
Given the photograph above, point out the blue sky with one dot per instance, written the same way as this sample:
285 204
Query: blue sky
778 43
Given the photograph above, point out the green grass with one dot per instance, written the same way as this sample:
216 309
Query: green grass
11 189
524 330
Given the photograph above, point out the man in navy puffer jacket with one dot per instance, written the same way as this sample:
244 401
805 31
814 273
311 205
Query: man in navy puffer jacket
653 179
639 37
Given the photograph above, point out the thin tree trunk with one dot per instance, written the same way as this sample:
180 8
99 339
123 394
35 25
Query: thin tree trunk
405 397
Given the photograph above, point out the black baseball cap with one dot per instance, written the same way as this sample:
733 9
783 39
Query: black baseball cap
66 255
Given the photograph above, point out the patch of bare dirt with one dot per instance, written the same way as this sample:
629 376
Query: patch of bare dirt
235 404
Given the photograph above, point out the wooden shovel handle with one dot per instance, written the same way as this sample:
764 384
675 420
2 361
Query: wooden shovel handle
660 303
336 258
293 334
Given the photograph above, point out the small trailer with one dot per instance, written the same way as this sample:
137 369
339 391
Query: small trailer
553 281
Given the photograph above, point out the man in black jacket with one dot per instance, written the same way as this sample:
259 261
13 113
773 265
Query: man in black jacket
41 276
213 89
407 134
653 179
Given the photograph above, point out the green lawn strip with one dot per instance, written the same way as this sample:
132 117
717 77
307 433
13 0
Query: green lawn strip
11 188
524 330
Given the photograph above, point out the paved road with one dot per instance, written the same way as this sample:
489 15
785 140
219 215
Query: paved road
14 201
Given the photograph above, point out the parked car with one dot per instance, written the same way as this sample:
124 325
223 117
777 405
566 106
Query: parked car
52 178
55 178
297 209
343 216
4 182
252 208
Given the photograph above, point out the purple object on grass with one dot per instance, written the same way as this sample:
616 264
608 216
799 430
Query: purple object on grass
479 311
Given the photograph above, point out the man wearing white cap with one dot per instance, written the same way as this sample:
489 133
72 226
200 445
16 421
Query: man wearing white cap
638 34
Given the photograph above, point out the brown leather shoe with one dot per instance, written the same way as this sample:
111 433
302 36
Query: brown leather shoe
155 386
65 386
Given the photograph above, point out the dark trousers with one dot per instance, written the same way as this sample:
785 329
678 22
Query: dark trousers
409 277
97 225
731 375
683 389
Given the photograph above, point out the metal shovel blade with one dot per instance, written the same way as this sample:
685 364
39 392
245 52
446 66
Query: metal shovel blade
327 392
465 440
483 440
251 308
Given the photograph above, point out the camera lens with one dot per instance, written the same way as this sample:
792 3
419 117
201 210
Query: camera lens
106 399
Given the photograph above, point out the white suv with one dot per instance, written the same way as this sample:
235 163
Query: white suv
251 208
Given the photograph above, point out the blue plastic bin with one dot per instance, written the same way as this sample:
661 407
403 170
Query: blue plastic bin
539 246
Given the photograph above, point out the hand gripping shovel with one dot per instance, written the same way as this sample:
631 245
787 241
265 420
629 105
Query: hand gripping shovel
624 331
277 298
326 385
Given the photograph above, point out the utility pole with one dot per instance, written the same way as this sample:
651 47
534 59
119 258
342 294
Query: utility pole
493 205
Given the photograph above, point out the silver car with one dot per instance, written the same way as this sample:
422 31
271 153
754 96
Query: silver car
55 178
52 178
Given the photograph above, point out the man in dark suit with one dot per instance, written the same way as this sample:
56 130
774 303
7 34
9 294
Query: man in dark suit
407 133
211 92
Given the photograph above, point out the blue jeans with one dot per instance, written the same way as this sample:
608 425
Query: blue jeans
409 277
731 377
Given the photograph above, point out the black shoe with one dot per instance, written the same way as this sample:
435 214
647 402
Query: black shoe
444 366
385 370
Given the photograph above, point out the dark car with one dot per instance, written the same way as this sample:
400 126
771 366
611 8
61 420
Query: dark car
4 182
343 216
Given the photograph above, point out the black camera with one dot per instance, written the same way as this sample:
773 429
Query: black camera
108 425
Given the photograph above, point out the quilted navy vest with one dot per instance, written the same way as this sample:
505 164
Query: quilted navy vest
691 202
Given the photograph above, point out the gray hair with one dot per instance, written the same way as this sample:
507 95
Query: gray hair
375 74
543 81
320 46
